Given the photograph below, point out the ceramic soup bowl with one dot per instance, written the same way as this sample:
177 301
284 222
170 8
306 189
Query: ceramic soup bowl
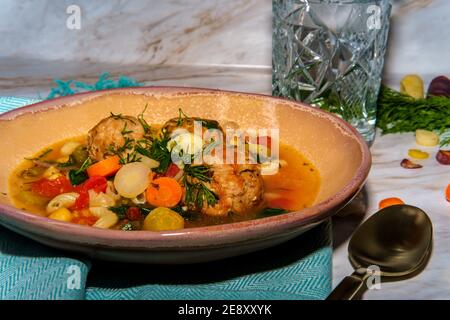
332 145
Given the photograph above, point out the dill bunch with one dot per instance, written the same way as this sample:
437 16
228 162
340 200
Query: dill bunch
398 112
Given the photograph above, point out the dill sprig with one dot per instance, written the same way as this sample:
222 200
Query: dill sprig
197 192
159 152
143 122
398 112
41 156
207 123
199 172
120 151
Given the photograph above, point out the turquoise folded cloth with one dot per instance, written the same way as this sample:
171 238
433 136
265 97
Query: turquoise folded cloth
299 269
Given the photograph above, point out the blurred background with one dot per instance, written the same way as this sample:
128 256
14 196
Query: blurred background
216 43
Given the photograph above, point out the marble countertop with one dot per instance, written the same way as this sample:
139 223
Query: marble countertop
423 188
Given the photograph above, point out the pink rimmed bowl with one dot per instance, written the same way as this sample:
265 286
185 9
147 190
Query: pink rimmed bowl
332 145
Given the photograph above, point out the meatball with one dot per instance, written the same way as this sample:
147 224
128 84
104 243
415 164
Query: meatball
239 188
188 124
110 135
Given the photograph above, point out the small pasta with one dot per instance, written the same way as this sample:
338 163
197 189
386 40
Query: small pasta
111 191
150 163
64 200
106 218
100 199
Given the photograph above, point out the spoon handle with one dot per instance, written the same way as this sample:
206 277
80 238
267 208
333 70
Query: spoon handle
348 288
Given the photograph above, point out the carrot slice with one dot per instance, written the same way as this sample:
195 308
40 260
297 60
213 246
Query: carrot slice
164 192
389 202
447 193
104 168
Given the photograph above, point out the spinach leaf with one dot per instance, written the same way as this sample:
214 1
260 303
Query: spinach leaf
268 212
77 177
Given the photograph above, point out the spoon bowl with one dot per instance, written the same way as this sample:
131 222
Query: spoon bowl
396 240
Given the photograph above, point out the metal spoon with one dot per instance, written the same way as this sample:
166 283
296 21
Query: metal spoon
397 239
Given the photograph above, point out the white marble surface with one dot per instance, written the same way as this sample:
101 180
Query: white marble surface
33 78
423 188
140 31
197 32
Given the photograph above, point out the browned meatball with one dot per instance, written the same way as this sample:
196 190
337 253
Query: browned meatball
111 133
239 188
188 124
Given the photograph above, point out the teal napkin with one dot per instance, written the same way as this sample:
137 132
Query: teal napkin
298 269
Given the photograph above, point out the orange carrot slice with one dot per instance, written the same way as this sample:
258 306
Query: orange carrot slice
164 192
447 193
389 202
104 168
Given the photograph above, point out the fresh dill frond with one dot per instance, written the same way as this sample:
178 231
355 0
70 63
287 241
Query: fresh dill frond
199 172
41 156
197 192
143 122
398 112
158 151
125 131
87 163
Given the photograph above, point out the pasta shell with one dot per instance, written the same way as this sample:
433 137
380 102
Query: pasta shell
106 218
64 200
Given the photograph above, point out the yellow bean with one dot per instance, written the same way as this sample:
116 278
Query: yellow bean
62 214
412 85
418 154
426 138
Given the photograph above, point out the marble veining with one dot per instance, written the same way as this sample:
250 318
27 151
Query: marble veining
423 188
140 31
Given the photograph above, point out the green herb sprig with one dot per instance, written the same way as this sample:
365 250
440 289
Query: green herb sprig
79 176
398 112
41 156
159 151
197 192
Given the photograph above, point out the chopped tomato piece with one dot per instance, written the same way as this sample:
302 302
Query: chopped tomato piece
51 188
172 171
96 183
82 201
84 217
134 213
